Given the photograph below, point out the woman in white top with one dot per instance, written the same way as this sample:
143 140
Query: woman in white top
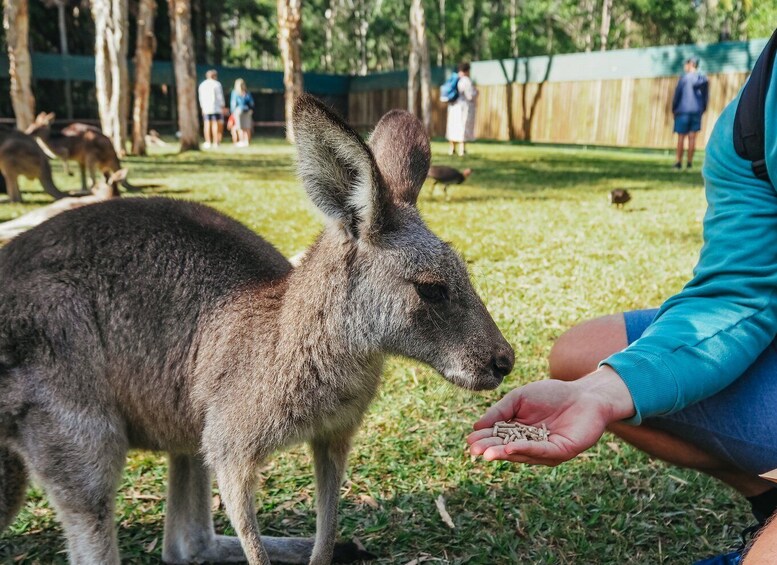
461 113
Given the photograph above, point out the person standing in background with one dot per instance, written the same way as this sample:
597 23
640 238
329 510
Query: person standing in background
461 112
688 104
241 103
211 98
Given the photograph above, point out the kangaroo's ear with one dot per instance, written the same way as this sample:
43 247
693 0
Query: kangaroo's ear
401 148
338 170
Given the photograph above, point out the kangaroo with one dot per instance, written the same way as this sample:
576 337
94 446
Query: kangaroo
85 144
103 191
165 325
20 154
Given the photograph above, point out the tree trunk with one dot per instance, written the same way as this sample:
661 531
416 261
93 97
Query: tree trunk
120 99
63 48
144 54
103 83
216 10
362 28
588 25
422 44
16 23
331 18
627 32
443 38
111 73
604 30
514 28
413 67
185 73
200 28
289 39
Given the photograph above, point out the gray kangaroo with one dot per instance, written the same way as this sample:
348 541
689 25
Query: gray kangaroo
165 325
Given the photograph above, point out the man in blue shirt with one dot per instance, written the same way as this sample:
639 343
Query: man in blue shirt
693 383
688 104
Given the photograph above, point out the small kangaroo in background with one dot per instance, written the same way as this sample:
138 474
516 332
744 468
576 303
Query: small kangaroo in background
82 143
165 325
20 155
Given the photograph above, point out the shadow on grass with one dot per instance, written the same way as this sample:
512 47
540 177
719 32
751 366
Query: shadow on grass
560 173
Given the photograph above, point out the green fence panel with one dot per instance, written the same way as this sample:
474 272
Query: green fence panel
52 66
650 62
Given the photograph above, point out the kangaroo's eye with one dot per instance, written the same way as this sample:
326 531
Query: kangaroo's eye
432 292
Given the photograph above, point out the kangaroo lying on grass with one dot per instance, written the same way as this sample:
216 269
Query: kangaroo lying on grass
103 191
82 143
164 325
20 154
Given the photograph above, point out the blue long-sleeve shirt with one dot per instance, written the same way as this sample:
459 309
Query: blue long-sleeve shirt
706 336
691 94
243 101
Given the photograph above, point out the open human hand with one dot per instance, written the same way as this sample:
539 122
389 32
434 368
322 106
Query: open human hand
575 413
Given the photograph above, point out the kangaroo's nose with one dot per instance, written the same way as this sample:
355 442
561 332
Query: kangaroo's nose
503 360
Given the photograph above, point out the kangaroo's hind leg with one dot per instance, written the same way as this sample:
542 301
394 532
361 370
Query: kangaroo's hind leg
77 455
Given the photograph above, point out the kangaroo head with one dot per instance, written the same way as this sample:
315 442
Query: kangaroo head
408 292
107 188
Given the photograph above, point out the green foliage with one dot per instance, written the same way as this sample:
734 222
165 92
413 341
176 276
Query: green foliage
457 30
762 19
545 250
664 21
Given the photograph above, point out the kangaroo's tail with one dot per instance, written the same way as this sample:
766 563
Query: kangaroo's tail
13 483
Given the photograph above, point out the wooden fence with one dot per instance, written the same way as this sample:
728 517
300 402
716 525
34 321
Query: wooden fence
632 112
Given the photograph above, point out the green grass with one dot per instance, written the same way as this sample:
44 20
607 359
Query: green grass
546 251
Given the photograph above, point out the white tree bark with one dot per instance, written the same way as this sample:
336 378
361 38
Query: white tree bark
420 45
587 7
413 67
604 30
144 55
362 28
289 41
111 73
185 73
514 28
16 23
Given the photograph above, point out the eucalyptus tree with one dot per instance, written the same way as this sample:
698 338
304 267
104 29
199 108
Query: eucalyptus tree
16 25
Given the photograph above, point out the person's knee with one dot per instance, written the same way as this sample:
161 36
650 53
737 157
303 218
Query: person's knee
564 358
579 350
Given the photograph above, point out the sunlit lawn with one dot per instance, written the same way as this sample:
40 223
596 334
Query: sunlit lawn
545 250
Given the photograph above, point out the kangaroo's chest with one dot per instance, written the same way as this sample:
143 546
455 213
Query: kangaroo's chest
329 404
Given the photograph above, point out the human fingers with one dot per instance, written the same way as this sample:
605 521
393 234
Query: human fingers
482 445
536 449
504 409
498 454
478 435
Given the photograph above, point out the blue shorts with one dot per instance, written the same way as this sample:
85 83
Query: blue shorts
212 117
738 424
686 123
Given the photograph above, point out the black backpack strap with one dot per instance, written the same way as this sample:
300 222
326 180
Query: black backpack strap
750 118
